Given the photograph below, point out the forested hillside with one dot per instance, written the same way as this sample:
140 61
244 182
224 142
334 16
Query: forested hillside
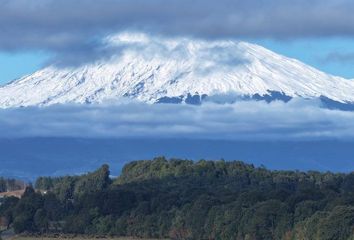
180 199
11 184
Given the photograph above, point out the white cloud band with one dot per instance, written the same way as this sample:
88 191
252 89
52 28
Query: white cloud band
297 119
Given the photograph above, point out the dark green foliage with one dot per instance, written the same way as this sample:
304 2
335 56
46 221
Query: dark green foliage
7 208
93 182
337 224
181 199
26 209
66 188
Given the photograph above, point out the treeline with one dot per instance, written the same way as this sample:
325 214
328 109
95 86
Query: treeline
11 185
181 199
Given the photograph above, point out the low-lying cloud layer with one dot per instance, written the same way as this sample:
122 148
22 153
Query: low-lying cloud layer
239 121
68 25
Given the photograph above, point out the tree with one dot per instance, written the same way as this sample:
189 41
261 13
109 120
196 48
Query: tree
7 209
339 224
41 220
92 182
182 199
25 210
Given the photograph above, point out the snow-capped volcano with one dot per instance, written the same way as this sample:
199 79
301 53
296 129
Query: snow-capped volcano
154 69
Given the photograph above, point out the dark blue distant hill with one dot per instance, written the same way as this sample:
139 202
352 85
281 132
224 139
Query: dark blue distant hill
32 157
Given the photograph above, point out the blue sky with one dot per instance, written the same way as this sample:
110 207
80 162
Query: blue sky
331 55
15 65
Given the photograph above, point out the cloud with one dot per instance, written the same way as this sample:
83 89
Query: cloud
297 119
339 57
75 26
216 55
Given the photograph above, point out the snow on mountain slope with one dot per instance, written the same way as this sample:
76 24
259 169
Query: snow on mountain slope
150 68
